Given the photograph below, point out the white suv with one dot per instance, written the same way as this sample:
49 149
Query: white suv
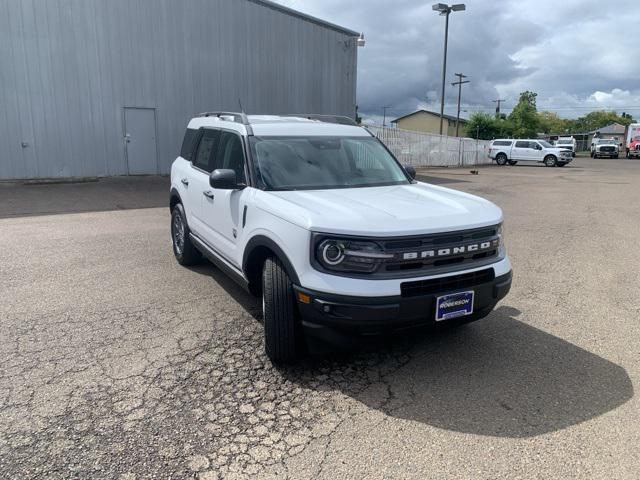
316 216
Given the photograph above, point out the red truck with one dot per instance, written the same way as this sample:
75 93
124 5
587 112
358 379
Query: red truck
633 140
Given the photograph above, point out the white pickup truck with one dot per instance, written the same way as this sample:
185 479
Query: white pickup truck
506 151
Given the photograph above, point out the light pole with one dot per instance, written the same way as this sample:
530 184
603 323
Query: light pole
445 10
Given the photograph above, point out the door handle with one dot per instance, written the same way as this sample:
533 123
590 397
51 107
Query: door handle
185 182
208 194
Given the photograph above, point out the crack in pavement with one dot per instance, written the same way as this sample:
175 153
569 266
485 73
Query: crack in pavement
156 392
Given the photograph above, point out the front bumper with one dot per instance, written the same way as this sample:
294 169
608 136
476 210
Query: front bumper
333 317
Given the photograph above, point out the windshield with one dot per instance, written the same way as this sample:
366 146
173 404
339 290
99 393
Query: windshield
306 163
545 144
564 142
607 142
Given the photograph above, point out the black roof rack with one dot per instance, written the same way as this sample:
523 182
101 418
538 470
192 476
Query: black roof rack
340 119
238 117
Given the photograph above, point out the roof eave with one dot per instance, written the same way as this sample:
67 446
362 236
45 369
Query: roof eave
304 16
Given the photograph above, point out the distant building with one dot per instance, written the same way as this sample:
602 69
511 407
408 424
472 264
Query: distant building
615 130
426 121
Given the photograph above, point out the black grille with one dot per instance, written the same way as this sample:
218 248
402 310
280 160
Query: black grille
607 149
445 284
400 247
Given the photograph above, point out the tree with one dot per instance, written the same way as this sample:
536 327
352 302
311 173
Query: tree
481 126
598 119
524 117
550 122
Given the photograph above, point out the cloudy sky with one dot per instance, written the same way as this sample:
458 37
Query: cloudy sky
578 55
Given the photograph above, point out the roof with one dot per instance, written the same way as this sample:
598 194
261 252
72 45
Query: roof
275 125
448 117
304 16
613 129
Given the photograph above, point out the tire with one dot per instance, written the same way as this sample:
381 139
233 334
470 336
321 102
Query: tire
513 162
616 156
592 155
282 337
185 252
561 164
501 159
550 161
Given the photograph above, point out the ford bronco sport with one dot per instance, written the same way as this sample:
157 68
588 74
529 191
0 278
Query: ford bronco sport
316 216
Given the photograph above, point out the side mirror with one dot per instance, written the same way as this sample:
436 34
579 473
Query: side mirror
225 179
410 171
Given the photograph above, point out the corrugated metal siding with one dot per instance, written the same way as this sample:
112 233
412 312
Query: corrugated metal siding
69 67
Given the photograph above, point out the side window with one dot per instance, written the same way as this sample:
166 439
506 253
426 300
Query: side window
230 155
205 155
186 151
522 144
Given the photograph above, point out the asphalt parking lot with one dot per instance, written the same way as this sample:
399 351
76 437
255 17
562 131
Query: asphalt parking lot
115 362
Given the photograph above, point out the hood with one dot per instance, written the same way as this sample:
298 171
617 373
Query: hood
556 150
382 211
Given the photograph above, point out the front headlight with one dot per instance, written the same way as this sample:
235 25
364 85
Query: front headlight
346 255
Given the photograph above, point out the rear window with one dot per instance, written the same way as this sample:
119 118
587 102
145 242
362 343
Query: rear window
501 143
186 151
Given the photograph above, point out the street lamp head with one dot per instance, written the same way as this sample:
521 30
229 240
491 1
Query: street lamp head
458 7
360 41
440 7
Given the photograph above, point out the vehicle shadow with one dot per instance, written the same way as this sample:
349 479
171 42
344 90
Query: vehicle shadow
497 377
500 377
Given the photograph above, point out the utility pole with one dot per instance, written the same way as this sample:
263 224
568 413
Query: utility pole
459 84
499 101
384 116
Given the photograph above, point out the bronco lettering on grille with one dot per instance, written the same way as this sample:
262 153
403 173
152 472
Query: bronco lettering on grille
449 251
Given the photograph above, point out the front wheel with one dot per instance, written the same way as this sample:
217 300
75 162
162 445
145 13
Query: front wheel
282 338
616 156
550 161
184 251
501 159
513 162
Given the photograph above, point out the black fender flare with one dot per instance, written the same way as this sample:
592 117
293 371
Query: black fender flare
264 241
174 197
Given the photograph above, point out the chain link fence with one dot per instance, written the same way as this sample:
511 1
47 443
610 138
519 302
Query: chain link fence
430 150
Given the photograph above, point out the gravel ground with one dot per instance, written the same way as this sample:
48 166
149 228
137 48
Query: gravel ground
115 362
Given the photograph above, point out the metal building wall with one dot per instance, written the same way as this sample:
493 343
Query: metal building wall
69 67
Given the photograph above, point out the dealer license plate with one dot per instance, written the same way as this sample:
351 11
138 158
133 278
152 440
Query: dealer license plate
454 305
